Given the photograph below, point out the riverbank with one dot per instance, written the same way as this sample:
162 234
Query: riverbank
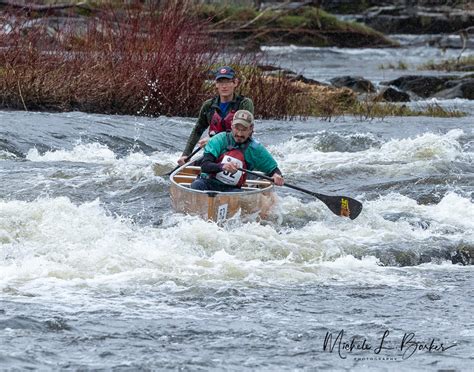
158 61
280 23
298 25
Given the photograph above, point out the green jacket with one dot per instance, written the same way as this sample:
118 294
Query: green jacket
256 155
205 114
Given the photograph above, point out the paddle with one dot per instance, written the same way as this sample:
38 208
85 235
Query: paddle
341 205
186 160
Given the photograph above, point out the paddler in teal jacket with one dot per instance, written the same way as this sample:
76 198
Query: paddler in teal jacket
226 152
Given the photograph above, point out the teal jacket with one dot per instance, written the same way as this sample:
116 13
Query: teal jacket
256 155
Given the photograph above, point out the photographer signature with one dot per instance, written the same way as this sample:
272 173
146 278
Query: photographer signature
407 346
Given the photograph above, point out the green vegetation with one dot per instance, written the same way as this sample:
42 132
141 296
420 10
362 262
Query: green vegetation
303 26
461 64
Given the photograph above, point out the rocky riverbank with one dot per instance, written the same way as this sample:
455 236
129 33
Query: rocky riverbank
403 89
417 19
298 24
125 61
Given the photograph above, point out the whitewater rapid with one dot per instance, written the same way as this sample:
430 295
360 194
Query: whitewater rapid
97 271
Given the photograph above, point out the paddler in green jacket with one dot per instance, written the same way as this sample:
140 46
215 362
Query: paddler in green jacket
217 113
226 152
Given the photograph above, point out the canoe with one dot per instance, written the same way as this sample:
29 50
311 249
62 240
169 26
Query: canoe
256 198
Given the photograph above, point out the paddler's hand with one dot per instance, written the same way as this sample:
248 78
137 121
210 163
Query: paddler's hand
278 179
203 142
230 167
182 159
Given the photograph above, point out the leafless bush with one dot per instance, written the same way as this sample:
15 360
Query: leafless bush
135 60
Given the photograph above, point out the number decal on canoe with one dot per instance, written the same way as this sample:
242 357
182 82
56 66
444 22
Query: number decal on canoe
222 213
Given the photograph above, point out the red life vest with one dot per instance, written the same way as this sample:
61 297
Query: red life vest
234 154
219 124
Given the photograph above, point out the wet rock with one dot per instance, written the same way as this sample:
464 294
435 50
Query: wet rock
433 296
424 258
393 95
464 89
356 83
5 145
417 19
405 258
274 70
464 256
269 70
445 87
306 80
409 255
422 86
57 324
106 354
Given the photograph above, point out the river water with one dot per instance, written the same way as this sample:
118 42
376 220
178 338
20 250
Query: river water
98 273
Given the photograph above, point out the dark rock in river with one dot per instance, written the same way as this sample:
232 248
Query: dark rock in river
435 86
422 86
356 83
393 95
305 80
464 89
464 255
288 74
274 70
417 19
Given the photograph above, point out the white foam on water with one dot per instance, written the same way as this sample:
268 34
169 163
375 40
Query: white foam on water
289 49
87 153
135 165
395 156
51 244
348 270
452 218
453 210
6 155
139 165
286 48
452 101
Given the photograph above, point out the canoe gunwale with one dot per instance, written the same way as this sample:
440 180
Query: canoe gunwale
219 206
213 193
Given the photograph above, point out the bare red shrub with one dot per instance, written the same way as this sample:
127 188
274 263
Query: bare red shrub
137 60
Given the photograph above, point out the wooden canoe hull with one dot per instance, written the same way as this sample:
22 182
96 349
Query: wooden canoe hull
257 198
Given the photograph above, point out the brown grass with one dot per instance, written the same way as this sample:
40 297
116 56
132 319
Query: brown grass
279 97
368 110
